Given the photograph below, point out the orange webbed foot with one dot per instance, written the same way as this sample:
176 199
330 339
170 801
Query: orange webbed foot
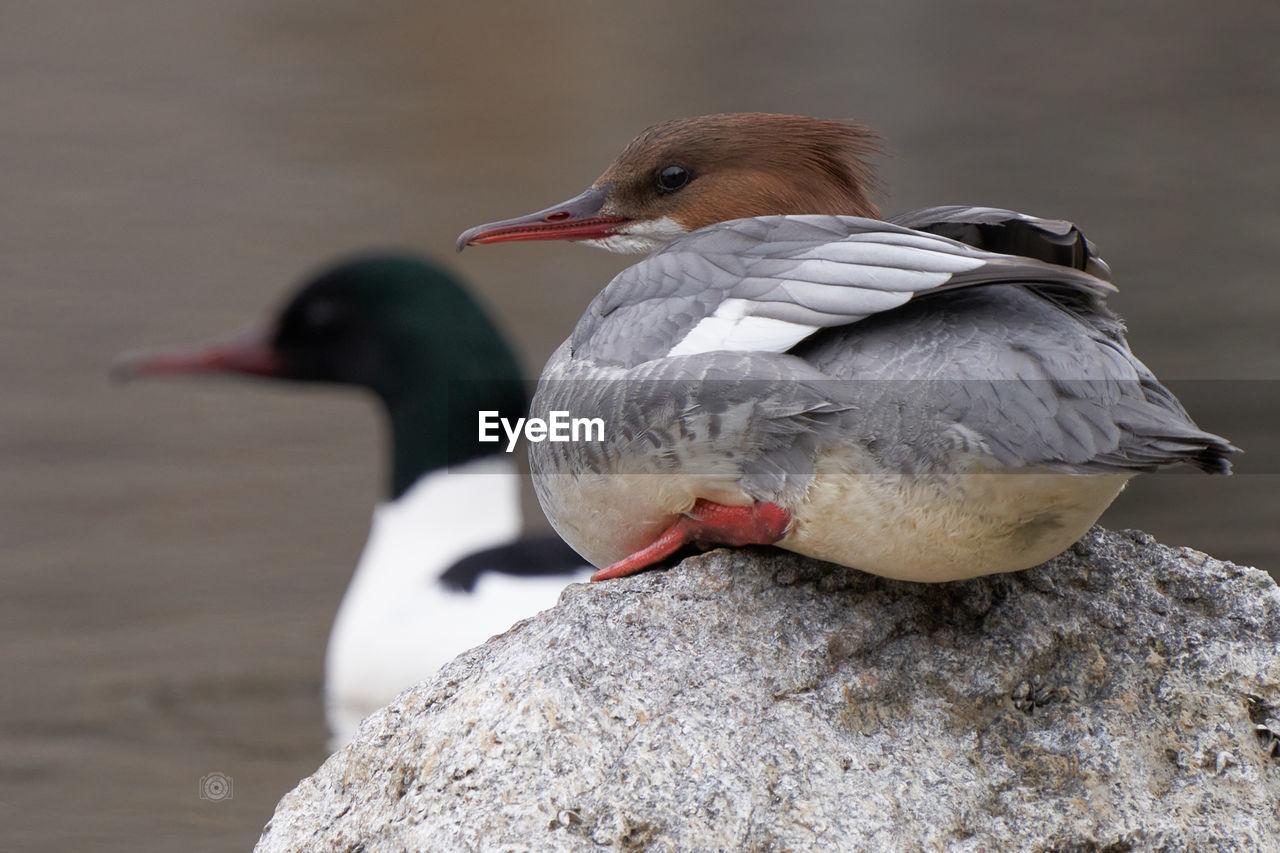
707 524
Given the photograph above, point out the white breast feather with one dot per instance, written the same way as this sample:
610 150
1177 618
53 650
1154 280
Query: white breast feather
397 625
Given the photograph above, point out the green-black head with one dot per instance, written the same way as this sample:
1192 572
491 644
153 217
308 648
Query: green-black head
397 324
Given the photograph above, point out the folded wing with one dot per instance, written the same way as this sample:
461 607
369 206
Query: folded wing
766 284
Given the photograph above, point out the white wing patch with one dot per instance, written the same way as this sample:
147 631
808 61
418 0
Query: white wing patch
871 278
905 256
732 328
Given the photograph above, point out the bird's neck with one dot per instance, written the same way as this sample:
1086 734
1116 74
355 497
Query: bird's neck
436 427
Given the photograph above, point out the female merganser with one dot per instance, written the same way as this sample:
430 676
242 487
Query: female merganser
443 569
802 374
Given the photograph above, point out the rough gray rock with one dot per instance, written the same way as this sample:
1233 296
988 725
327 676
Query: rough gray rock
1124 696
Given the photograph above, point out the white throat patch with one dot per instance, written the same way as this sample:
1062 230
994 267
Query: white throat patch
641 238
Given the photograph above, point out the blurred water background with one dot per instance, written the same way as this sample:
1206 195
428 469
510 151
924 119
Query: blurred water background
171 554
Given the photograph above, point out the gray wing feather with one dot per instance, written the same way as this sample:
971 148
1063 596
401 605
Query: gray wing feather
818 271
1013 375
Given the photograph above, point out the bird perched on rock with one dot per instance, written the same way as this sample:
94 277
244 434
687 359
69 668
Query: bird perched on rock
938 396
444 567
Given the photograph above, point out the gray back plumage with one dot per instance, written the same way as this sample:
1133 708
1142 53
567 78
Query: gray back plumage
754 344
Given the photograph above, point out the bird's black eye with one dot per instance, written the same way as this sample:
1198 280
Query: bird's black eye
672 178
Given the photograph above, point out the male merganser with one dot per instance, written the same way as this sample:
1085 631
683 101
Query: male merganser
443 569
880 396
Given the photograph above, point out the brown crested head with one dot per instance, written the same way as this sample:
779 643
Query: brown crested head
697 171
682 175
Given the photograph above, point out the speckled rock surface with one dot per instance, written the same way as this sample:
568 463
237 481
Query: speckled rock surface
1120 697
